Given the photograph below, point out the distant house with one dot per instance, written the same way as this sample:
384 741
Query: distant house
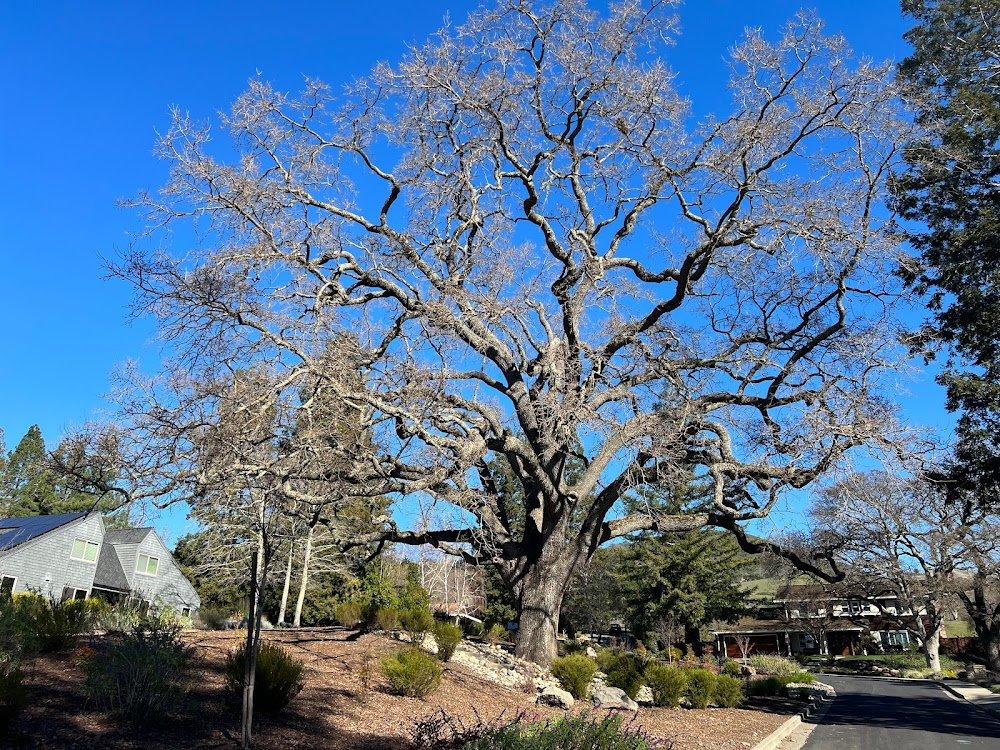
72 556
808 619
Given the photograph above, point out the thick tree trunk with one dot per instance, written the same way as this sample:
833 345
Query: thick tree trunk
287 586
539 592
539 621
991 647
297 622
932 648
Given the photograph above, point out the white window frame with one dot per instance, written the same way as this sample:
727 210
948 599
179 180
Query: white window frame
86 546
143 571
898 638
12 586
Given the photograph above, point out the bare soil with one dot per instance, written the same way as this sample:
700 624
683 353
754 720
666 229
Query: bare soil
339 709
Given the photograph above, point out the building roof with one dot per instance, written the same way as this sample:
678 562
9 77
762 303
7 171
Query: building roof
15 531
109 573
126 536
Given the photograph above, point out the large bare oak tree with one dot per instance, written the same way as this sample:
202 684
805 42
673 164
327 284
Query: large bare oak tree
534 254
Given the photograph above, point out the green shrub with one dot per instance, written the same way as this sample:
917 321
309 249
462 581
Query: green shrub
447 637
121 617
607 659
416 622
348 614
628 673
211 618
414 595
59 624
774 665
385 619
17 630
574 673
672 654
412 672
277 678
769 686
728 691
700 687
496 633
13 692
731 668
629 680
667 683
139 675
566 732
471 628
571 646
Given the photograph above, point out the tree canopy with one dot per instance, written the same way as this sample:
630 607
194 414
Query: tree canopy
532 252
32 482
950 190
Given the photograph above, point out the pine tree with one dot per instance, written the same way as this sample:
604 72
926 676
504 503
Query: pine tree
28 486
951 189
32 485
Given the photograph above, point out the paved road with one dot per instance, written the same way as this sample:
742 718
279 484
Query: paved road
880 714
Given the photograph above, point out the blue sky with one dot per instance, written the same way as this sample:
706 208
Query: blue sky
86 86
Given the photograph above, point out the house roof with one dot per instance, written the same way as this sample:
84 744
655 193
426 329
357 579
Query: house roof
15 531
109 573
126 536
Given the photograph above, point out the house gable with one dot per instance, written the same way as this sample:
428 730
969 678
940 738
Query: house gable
43 562
169 587
52 554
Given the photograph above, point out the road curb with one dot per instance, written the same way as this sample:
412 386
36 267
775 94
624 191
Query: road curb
776 737
948 688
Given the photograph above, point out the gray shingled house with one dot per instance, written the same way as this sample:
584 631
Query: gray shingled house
73 556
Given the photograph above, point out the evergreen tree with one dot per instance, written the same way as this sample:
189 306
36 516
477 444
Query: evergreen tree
951 188
28 487
691 579
32 484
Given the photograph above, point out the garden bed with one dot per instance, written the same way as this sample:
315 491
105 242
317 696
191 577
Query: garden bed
336 710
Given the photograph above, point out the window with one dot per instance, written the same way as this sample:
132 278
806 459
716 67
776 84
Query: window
898 638
84 550
7 586
185 611
71 592
147 565
854 606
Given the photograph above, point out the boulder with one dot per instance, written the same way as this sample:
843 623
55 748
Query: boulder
613 698
591 653
557 697
645 696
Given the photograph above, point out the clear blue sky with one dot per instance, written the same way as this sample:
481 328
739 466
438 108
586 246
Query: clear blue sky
86 86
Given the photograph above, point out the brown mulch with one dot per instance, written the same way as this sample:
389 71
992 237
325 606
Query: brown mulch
337 710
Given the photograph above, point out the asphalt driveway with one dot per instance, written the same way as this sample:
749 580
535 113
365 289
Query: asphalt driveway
883 714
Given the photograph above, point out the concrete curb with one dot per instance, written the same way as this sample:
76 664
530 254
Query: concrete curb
995 712
776 737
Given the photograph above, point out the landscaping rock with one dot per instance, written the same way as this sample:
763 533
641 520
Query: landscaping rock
557 697
613 698
645 696
814 690
591 653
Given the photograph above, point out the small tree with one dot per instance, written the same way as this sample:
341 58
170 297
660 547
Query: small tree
744 643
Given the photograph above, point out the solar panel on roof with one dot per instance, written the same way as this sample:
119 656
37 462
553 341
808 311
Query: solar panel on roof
20 530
